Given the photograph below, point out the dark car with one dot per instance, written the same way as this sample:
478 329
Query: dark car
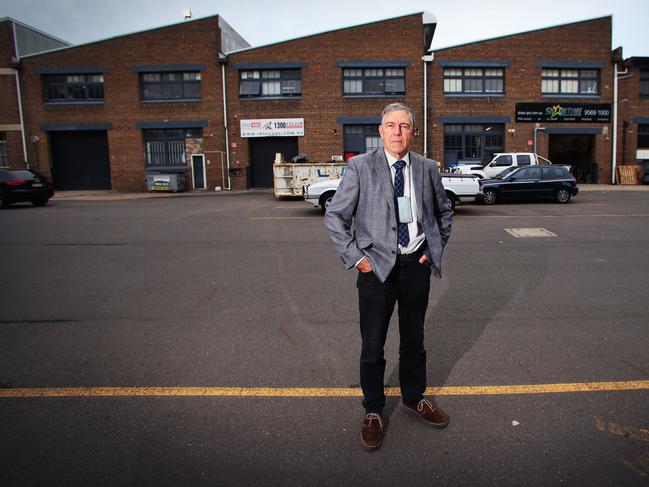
25 185
529 182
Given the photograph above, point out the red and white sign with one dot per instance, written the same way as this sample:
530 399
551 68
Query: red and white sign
273 127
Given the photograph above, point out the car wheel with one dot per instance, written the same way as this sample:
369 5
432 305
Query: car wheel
40 201
489 197
451 199
325 200
562 195
3 202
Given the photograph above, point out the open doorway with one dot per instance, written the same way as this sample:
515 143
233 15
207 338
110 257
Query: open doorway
262 156
578 151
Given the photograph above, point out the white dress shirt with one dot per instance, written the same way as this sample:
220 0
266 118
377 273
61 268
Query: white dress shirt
414 230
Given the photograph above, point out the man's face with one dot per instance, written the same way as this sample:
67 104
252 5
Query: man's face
396 132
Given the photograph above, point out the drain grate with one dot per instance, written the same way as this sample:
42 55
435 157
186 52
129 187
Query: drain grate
529 232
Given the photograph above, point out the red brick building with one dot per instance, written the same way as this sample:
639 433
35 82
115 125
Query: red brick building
333 85
553 86
195 99
16 40
633 114
108 113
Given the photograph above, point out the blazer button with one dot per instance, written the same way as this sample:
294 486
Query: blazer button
394 251
394 229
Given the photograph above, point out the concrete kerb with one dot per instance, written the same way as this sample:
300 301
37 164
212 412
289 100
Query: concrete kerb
111 195
613 187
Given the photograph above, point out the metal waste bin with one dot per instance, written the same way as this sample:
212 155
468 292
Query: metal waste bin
172 183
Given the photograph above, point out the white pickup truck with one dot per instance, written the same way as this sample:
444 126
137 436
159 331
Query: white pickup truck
502 161
459 187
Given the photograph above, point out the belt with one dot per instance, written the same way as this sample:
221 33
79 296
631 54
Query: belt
414 256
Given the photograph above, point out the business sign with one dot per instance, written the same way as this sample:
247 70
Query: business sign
273 127
563 112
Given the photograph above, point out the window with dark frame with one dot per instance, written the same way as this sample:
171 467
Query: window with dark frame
644 83
374 81
643 136
63 88
555 81
261 83
359 139
166 147
171 86
478 81
473 141
4 156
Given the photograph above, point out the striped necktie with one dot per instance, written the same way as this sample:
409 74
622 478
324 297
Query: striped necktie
402 228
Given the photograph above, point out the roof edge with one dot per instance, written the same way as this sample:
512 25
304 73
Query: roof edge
610 16
38 31
215 16
326 32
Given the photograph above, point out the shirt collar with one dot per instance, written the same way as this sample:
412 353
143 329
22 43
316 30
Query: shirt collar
391 159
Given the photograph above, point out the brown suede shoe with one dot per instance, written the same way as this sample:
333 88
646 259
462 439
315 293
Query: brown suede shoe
372 432
433 415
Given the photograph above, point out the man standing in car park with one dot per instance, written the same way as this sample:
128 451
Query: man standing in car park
402 219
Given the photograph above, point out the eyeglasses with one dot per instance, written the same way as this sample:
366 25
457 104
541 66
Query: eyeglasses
393 127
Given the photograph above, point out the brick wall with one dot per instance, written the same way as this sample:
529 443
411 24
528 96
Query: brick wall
630 106
196 42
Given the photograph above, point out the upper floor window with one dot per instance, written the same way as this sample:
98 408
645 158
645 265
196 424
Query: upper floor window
570 81
73 87
644 83
4 157
171 86
474 81
270 83
374 81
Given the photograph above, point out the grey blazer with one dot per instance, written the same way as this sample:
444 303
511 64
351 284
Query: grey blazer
365 198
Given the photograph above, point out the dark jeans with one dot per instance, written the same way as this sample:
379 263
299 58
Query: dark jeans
409 285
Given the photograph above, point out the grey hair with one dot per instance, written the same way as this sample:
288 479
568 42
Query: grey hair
393 107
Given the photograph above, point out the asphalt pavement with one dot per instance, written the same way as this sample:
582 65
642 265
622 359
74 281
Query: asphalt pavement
214 340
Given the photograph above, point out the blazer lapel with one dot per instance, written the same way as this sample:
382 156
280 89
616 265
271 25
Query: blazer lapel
382 171
418 180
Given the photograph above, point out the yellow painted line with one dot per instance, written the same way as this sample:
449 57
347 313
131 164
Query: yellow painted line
320 391
283 217
606 215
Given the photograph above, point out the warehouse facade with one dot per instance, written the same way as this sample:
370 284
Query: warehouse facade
195 99
548 91
110 113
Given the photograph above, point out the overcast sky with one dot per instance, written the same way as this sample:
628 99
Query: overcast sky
264 21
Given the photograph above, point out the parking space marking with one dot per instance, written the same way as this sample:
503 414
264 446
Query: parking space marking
530 232
319 391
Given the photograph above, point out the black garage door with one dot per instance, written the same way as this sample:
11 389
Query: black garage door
80 160
262 156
